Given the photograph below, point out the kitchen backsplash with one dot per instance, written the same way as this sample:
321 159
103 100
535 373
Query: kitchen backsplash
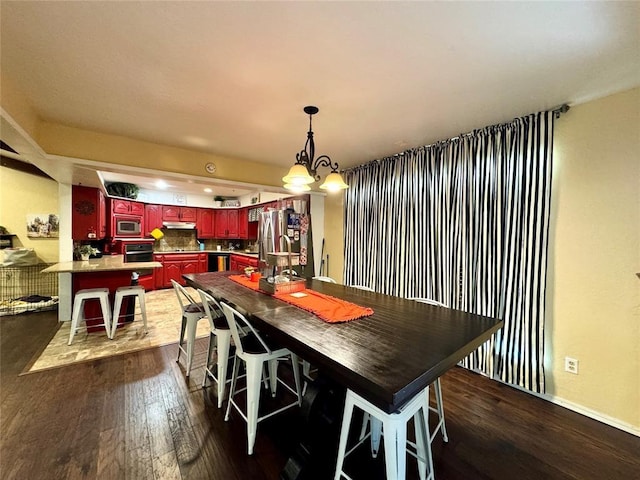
186 240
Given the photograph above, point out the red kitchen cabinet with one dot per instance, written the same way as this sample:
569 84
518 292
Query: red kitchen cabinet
226 223
152 218
177 264
172 271
148 282
89 216
127 207
205 223
221 223
171 213
243 223
158 273
240 262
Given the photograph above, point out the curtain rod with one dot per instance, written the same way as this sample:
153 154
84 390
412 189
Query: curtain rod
564 108
557 112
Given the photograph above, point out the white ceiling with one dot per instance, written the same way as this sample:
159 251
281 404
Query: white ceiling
232 78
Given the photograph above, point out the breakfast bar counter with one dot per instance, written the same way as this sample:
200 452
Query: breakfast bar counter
108 263
109 271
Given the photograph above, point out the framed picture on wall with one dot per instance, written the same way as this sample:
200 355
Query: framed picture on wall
43 225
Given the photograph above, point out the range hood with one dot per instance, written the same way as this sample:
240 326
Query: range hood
179 225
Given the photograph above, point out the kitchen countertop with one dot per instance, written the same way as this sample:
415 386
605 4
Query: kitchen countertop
223 252
108 263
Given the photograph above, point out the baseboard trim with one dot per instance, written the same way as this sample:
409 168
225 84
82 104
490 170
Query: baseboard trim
587 412
600 417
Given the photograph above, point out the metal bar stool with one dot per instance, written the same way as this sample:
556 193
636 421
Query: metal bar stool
134 291
437 386
192 312
255 351
219 341
394 427
438 409
77 316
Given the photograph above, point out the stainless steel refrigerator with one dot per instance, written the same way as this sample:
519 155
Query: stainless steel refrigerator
295 223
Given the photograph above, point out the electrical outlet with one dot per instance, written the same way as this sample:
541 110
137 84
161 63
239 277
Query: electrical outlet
571 365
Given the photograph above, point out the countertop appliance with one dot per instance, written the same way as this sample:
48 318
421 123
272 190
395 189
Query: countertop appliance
128 226
218 262
138 251
296 225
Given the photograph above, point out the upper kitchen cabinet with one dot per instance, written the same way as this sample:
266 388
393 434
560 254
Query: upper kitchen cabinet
205 223
226 223
126 207
89 216
171 213
243 223
152 218
247 226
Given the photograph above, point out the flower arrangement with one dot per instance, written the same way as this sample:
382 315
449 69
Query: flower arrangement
85 251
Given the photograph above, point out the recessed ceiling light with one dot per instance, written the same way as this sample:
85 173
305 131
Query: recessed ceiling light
208 190
161 184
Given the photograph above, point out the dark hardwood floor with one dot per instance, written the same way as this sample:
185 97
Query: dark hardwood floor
135 416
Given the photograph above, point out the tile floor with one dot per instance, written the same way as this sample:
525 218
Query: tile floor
163 321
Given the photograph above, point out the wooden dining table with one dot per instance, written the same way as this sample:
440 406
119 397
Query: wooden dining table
387 357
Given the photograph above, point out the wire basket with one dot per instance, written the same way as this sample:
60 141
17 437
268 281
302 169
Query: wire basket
284 287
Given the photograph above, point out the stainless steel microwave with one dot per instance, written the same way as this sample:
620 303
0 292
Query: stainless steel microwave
128 226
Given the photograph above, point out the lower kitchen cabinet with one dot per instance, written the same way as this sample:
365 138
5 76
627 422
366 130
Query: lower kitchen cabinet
174 265
240 262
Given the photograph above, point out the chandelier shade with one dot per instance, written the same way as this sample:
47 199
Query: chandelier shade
334 183
297 188
298 175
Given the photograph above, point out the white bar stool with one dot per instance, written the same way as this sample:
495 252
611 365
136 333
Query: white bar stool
394 427
219 340
255 352
192 312
437 386
134 291
77 315
376 425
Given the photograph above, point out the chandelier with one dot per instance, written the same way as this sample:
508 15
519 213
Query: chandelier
305 171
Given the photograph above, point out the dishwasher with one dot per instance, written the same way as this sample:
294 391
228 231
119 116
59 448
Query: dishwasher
218 262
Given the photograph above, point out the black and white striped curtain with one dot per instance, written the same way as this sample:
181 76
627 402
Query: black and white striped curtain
465 222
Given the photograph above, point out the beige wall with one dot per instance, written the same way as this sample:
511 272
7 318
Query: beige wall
21 194
334 235
593 294
77 143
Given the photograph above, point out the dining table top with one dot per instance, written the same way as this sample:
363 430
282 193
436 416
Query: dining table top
387 357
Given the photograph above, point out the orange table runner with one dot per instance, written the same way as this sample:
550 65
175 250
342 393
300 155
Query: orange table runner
328 308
